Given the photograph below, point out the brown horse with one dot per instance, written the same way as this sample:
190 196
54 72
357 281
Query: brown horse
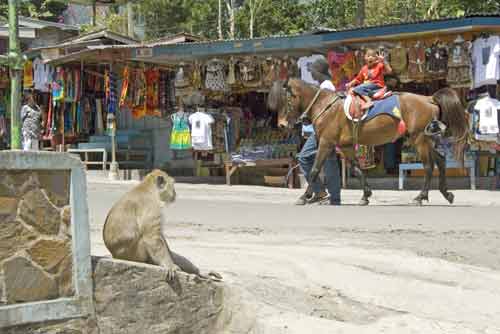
333 128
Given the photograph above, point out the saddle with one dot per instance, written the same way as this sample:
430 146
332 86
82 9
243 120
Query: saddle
358 105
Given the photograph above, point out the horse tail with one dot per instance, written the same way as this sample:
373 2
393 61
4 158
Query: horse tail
453 115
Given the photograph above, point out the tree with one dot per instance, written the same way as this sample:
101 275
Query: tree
165 17
254 6
49 10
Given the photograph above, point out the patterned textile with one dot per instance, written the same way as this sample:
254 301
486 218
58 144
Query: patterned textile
32 119
215 77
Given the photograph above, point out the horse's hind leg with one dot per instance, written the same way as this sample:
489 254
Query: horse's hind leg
443 186
367 192
424 148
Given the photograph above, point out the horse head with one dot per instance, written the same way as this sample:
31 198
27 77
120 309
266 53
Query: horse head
285 97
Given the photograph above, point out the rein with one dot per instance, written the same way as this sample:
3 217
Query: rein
315 98
327 108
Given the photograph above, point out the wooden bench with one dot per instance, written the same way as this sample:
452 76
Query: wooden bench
469 164
86 152
231 168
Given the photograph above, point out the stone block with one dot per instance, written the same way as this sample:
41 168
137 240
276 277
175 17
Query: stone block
16 183
8 208
49 254
24 282
56 185
137 298
14 236
36 210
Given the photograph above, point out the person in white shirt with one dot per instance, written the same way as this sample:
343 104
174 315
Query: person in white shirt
316 191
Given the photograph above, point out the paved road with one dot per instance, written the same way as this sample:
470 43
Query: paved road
387 268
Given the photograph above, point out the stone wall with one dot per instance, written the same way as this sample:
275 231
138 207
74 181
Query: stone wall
35 236
134 298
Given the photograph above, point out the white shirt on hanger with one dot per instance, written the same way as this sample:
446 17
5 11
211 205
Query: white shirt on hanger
201 131
486 60
328 84
41 76
488 115
305 64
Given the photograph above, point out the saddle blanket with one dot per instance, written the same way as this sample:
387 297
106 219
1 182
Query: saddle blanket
388 106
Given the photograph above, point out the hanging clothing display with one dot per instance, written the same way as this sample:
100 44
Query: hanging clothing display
437 60
201 131
125 84
152 92
28 74
196 80
42 75
399 62
416 62
459 64
270 72
215 78
111 98
487 128
250 72
305 64
139 99
180 137
58 86
486 61
231 74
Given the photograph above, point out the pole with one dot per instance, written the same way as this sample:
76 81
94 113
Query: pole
16 67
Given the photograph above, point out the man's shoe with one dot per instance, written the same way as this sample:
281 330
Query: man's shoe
319 197
303 200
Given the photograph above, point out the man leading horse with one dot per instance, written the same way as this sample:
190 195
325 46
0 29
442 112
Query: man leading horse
334 128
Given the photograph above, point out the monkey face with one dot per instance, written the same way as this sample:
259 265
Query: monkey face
165 186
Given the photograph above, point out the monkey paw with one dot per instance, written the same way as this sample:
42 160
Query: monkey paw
215 276
172 272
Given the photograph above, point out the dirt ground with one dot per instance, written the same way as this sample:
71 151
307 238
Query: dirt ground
386 268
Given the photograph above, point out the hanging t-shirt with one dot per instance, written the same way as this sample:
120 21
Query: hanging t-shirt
305 64
201 131
485 57
488 115
28 74
42 74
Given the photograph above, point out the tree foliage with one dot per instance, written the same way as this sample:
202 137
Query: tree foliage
40 9
277 17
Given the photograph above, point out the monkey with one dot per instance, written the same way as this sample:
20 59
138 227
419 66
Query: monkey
134 225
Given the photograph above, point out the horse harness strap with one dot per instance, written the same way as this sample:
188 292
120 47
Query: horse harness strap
315 98
327 108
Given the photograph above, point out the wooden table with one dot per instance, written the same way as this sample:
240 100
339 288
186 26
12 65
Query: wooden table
230 168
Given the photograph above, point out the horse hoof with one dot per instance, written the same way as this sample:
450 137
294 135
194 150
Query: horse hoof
364 202
450 198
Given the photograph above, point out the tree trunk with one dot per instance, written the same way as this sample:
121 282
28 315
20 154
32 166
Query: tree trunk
230 9
219 27
360 12
252 18
130 19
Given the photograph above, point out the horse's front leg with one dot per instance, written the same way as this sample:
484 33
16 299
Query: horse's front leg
367 192
424 147
443 185
324 150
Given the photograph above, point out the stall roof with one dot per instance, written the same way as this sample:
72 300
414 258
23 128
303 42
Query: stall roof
32 23
318 40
